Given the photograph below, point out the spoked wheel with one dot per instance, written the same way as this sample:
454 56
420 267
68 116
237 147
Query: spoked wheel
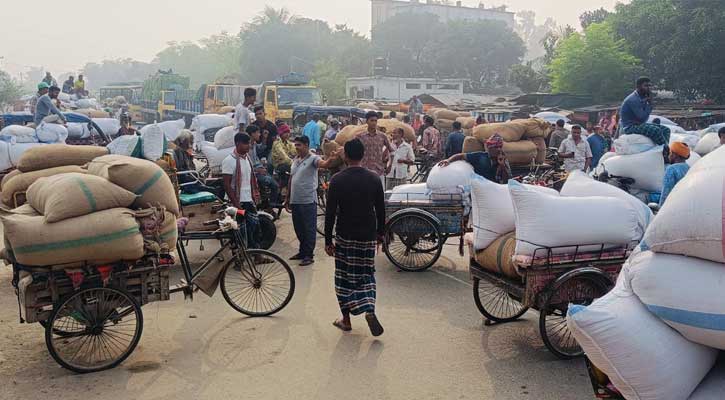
268 231
94 329
321 223
413 242
258 285
495 303
581 290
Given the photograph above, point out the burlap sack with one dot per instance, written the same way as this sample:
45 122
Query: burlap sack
540 143
465 114
7 177
348 133
445 114
367 106
71 195
472 145
141 177
467 122
497 257
327 149
391 124
226 110
535 127
169 230
444 125
468 132
58 155
520 153
513 131
104 236
20 182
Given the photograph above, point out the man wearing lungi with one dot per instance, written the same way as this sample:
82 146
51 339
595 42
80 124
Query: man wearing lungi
356 208
635 112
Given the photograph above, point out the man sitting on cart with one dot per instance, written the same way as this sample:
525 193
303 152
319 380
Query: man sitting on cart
491 165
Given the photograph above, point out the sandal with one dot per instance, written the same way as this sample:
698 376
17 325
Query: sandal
341 326
375 328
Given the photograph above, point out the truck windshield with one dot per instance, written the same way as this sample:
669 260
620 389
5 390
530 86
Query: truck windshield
290 96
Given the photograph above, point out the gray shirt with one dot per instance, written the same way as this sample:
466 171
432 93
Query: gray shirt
44 108
303 178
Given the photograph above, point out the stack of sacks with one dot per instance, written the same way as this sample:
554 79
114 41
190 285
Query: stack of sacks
51 133
79 130
524 139
18 134
409 192
109 126
42 162
153 141
171 129
444 119
646 168
204 122
351 131
467 124
667 308
213 155
544 221
451 183
493 221
84 218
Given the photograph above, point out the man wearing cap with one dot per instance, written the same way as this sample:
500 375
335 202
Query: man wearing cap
45 106
490 164
679 153
42 89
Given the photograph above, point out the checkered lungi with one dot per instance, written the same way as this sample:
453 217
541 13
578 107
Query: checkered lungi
659 134
355 275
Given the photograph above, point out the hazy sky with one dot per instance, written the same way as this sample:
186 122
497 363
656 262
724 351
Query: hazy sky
93 30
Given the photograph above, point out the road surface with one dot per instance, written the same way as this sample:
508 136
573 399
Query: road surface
435 346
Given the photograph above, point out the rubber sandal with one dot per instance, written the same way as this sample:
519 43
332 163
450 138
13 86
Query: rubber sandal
375 328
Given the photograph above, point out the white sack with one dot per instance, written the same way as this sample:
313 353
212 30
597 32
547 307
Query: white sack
19 134
690 140
675 128
64 97
451 177
410 192
78 130
545 221
707 144
694 157
632 144
691 220
202 123
492 211
51 133
579 184
109 126
87 103
647 169
644 358
214 155
17 150
126 145
685 292
224 138
172 129
663 120
153 142
713 386
5 162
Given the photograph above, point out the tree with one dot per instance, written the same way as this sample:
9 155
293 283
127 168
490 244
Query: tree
526 78
679 42
10 89
215 57
409 51
595 63
593 17
533 34
120 70
330 78
552 39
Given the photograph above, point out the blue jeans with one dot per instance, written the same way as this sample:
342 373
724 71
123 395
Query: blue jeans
251 224
304 219
268 182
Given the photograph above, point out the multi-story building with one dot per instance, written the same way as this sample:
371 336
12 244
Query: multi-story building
445 10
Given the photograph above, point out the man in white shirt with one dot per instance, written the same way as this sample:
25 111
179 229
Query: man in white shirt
575 151
403 157
241 186
243 116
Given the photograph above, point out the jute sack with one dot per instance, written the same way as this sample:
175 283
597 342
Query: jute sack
467 122
520 153
58 155
21 181
472 145
141 177
513 131
535 127
468 132
391 124
540 143
444 124
498 256
367 106
7 177
329 148
71 195
445 114
348 133
104 236
465 114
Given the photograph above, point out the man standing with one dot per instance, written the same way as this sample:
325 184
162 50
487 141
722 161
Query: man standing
331 133
576 152
377 148
403 157
242 116
312 132
45 106
241 185
635 112
260 172
558 135
302 199
80 87
42 90
490 164
356 208
599 143
264 124
283 151
678 168
68 85
432 139
454 141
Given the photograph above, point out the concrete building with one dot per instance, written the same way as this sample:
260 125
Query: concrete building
400 89
446 11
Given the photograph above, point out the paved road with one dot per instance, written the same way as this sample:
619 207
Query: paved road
435 347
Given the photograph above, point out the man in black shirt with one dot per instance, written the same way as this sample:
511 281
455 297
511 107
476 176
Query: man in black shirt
355 200
264 149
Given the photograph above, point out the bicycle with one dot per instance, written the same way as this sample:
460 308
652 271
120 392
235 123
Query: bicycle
424 163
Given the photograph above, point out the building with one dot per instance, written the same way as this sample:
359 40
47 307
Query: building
400 89
384 9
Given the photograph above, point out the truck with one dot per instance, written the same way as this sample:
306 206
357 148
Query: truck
280 97
208 99
158 95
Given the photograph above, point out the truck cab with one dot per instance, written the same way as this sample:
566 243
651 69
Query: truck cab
280 97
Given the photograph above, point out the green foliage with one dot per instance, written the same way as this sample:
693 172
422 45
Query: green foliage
330 78
552 39
10 89
526 78
593 17
679 42
594 63
212 58
163 80
532 34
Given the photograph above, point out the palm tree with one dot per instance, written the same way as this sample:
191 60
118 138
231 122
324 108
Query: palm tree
270 15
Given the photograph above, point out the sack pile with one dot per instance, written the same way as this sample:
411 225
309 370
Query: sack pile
444 119
647 168
667 307
109 126
204 122
524 139
352 131
151 145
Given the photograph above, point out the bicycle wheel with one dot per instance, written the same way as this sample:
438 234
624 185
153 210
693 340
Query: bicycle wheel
495 303
413 242
259 284
94 330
